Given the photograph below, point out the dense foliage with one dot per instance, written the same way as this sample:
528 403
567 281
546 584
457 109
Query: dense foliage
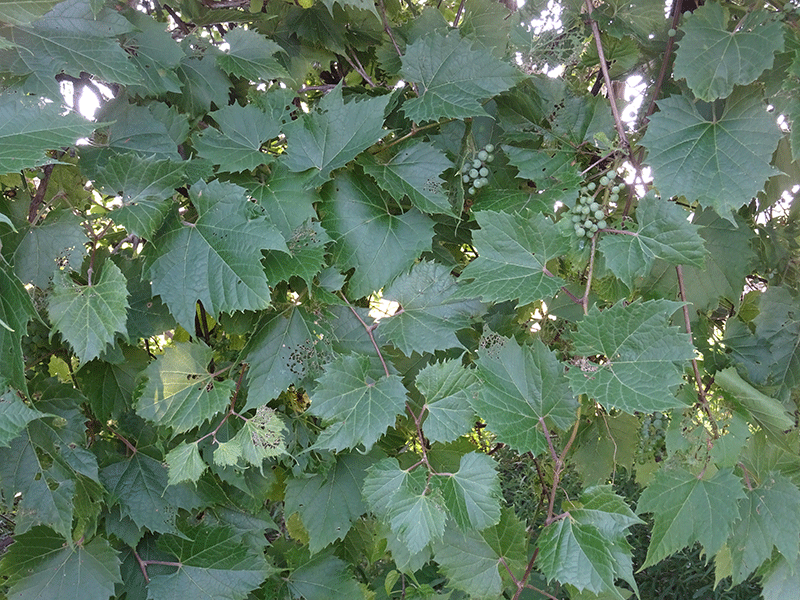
398 299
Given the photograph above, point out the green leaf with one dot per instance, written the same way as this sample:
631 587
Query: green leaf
56 243
157 56
236 145
329 503
287 201
521 385
250 55
306 255
663 233
416 514
204 85
82 17
781 581
770 517
719 157
289 349
713 60
16 310
688 510
179 391
15 416
214 565
368 235
41 566
448 389
323 577
90 316
142 129
429 315
414 172
25 11
472 493
512 256
110 386
453 77
644 356
225 244
261 437
356 401
29 129
185 463
546 168
768 412
319 142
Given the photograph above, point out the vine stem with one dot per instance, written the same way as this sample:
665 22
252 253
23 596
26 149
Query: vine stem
527 574
414 131
585 299
124 440
369 329
701 393
558 459
676 17
359 68
38 198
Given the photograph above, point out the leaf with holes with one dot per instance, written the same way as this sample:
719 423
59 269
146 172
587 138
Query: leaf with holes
430 312
521 385
357 402
179 392
512 256
448 389
453 76
225 244
713 60
261 437
90 316
414 172
330 503
643 360
721 158
688 510
306 258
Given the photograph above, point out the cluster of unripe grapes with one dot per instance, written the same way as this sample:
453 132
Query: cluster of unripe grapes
36 346
652 437
588 215
475 173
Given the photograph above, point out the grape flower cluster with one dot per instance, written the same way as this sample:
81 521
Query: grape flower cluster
475 173
589 215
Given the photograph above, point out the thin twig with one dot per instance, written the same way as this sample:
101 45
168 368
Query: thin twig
459 12
527 575
701 394
676 17
142 565
369 329
38 198
414 131
585 299
359 69
387 28
178 21
513 578
130 446
538 591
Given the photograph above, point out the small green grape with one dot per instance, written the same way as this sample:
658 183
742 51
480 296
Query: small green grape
576 218
466 167
489 148
580 231
599 214
483 155
604 181
484 172
601 224
594 228
613 197
615 189
592 186
471 191
477 164
478 183
585 210
587 224
672 33
473 173
584 190
490 158
466 178
594 206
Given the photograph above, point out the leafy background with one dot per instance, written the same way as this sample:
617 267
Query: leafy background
395 300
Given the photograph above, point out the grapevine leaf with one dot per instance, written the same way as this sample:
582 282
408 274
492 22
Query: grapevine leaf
323 577
26 11
521 385
379 244
16 310
250 55
289 349
203 84
429 315
453 77
80 17
448 389
687 510
57 242
770 516
329 504
15 416
318 141
471 494
644 356
415 514
213 564
288 203
414 172
357 402
185 463
663 233
546 168
721 160
713 60
512 255
261 437
28 129
156 57
90 316
236 145
179 391
110 386
40 566
140 486
141 129
225 244
782 580
368 5
306 255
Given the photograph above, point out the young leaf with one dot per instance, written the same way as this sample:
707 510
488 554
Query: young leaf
453 77
329 504
448 389
713 60
179 392
430 314
512 256
471 494
644 356
522 384
320 142
40 565
688 510
356 401
224 254
90 316
379 244
720 160
260 438
185 463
